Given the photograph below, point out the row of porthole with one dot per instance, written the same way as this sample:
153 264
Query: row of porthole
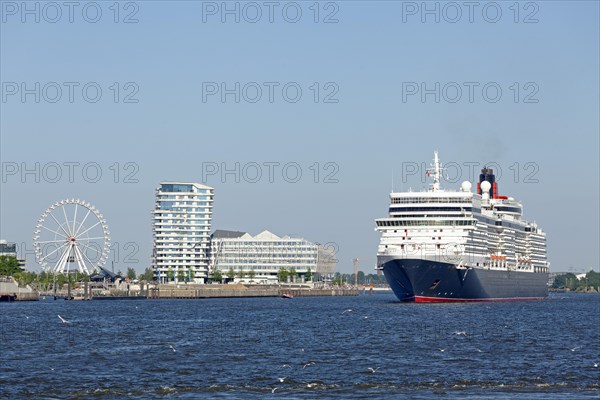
440 293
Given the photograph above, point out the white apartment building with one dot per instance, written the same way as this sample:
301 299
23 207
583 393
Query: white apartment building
181 224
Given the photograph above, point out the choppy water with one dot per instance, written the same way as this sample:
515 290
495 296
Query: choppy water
239 348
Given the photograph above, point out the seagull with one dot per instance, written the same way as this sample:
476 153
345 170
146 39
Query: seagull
310 363
285 365
311 385
575 348
282 379
64 321
373 370
479 351
273 390
460 333
51 369
442 349
348 310
595 365
366 317
26 316
172 348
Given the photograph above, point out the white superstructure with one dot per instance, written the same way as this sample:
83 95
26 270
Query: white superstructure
471 230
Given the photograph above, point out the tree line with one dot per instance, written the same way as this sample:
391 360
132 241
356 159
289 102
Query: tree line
361 278
571 282
10 267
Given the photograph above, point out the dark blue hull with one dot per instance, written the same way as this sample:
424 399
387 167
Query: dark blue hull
431 281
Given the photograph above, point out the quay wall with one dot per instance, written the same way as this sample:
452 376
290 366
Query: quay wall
10 291
166 292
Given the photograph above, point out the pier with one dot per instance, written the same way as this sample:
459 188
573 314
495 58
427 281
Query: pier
90 291
10 291
226 291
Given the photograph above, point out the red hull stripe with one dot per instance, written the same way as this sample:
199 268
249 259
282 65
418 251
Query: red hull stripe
425 299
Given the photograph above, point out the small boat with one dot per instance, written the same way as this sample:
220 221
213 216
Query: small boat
287 296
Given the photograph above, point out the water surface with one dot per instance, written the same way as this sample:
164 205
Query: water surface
242 348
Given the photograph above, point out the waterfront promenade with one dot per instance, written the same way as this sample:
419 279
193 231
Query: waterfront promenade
170 292
183 291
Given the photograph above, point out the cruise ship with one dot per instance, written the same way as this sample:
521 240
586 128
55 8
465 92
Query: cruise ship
450 246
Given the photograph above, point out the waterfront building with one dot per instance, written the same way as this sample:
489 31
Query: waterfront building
10 249
258 259
181 224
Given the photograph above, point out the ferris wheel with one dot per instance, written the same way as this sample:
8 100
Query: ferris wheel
71 235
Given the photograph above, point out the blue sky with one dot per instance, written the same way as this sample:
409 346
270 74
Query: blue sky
371 133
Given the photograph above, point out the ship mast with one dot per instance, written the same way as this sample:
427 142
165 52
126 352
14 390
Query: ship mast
435 186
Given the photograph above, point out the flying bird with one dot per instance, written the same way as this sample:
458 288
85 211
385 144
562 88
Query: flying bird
348 310
373 370
282 379
575 348
309 364
64 321
172 348
273 390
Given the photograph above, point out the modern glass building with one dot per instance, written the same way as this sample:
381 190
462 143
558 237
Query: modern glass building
181 224
258 259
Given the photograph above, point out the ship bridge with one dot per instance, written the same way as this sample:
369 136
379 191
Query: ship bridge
509 207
